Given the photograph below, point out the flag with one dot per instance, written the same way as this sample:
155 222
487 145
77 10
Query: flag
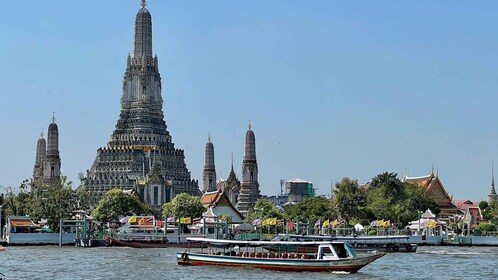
431 224
132 219
266 222
256 222
380 223
374 223
170 220
423 223
387 223
141 221
326 223
281 222
291 225
273 221
335 222
185 220
317 223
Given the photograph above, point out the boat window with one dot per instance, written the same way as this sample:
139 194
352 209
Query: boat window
350 250
327 252
341 250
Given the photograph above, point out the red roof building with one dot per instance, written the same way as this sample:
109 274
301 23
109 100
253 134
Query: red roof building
474 209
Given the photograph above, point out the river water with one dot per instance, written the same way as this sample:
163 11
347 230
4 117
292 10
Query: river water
50 262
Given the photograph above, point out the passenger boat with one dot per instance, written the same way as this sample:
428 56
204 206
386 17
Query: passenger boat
327 256
111 241
360 243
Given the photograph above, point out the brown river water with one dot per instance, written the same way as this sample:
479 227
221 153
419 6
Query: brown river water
51 262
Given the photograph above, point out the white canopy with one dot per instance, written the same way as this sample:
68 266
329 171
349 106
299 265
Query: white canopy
358 227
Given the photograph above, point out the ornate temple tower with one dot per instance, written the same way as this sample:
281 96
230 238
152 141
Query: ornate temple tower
209 173
141 133
52 161
492 194
249 188
41 148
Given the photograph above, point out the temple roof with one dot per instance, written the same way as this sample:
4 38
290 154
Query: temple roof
297 180
216 198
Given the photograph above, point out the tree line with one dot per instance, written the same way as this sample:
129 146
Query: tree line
386 197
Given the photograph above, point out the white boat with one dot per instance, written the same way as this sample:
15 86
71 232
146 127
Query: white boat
329 256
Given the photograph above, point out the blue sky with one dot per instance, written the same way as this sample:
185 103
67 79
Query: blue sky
333 89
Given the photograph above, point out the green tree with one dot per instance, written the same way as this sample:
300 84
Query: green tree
184 205
483 205
263 209
115 203
486 227
309 210
389 183
349 201
17 204
225 218
390 199
56 202
490 213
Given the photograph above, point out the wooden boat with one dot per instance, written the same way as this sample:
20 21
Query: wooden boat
360 243
329 256
111 241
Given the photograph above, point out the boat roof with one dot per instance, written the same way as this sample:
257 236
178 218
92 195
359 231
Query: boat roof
223 242
344 237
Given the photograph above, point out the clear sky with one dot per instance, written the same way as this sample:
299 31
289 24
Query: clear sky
333 88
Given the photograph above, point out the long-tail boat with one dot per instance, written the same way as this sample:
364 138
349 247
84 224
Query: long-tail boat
328 256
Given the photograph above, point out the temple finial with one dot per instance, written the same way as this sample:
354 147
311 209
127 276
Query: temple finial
53 117
41 134
250 125
209 137
232 161
492 173
144 3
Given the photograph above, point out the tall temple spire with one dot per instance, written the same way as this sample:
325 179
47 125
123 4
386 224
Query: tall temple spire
249 189
209 172
41 148
141 134
53 138
52 160
492 196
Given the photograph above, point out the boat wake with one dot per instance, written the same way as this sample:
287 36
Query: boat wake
340 272
443 252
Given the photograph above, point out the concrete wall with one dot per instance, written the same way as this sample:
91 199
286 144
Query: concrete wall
429 240
39 238
485 240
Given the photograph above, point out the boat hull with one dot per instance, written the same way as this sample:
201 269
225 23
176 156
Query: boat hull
143 244
343 265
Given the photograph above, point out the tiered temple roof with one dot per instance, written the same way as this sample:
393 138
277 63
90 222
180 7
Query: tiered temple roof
443 200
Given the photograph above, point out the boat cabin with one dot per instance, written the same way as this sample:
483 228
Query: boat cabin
321 250
335 251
